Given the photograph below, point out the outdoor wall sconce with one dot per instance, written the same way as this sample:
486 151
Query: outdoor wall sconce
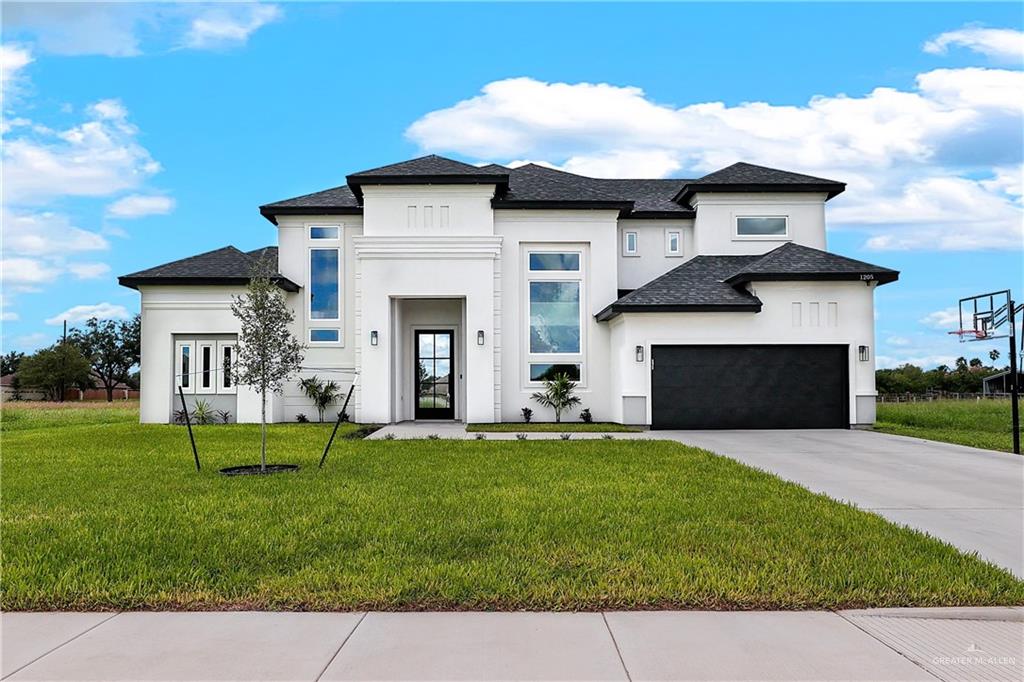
480 337
373 337
639 353
863 354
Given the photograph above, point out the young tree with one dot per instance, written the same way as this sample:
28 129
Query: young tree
268 354
559 394
9 362
53 368
112 349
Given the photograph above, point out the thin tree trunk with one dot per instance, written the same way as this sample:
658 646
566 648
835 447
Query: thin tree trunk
263 432
110 392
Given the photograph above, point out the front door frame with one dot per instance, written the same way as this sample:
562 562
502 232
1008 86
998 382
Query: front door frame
420 413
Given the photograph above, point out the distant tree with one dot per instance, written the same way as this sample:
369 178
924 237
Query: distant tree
993 355
16 388
961 363
975 364
9 362
53 368
112 348
268 354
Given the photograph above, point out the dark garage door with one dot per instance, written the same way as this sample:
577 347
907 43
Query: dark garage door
749 387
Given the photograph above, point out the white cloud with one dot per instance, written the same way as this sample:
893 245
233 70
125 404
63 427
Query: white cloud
46 233
945 319
89 270
898 341
139 205
124 29
228 25
31 341
13 58
26 272
999 43
95 158
8 316
82 313
912 159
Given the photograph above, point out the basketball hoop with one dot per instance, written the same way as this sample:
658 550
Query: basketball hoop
978 334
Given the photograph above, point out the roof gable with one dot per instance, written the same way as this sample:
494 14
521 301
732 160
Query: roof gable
430 169
226 265
795 262
748 177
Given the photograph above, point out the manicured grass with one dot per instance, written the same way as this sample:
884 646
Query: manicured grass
552 427
980 424
112 515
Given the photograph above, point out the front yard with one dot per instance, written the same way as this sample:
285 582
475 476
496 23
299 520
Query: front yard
104 513
977 423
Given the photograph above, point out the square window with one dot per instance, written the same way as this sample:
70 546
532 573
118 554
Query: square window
323 232
555 261
324 335
769 226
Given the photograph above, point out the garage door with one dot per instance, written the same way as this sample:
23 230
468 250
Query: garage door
749 387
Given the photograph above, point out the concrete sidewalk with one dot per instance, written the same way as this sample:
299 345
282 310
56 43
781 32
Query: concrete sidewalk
886 644
411 430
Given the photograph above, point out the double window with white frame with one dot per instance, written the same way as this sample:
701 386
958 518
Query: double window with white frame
204 365
555 303
323 297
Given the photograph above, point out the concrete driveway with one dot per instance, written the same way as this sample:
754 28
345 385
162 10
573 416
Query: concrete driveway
973 499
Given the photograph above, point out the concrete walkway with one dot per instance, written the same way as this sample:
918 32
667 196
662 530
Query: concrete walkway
897 644
973 499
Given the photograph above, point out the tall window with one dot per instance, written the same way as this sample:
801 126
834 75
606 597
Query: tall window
183 366
629 244
673 243
763 227
555 312
324 284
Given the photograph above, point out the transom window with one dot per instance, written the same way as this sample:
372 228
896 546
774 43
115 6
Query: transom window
544 371
566 262
762 226
323 231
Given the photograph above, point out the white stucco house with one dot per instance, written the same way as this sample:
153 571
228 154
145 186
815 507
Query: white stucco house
453 290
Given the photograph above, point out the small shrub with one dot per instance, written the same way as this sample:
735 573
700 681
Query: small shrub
559 394
607 436
433 436
565 436
389 436
520 436
585 416
527 414
179 416
203 412
480 436
224 416
343 416
301 418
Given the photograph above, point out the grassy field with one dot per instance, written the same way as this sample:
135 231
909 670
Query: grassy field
980 424
551 427
100 512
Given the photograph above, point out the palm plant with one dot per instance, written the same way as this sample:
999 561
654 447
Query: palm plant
559 394
320 392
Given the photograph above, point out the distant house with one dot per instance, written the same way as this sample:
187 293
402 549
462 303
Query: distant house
999 382
8 392
121 391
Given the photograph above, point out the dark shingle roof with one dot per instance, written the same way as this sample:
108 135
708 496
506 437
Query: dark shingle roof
227 265
715 283
746 177
695 286
535 186
794 262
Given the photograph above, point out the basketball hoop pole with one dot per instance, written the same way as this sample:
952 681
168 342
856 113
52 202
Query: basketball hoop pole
1014 379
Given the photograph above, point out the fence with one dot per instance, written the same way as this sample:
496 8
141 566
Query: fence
938 395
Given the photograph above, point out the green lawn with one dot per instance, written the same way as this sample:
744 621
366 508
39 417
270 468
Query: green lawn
980 424
112 515
552 427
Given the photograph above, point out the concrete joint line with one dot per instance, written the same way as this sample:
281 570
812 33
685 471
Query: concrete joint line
47 653
887 645
343 643
616 645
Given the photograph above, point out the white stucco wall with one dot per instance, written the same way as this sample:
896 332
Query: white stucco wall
775 324
652 258
715 224
595 234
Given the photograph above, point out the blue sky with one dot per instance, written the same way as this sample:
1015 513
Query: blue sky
138 134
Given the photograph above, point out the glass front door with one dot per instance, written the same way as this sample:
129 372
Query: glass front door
435 374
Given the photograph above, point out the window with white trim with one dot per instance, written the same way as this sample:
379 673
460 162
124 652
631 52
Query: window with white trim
226 361
554 302
630 244
323 294
319 232
673 243
183 366
205 364
762 227
206 352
